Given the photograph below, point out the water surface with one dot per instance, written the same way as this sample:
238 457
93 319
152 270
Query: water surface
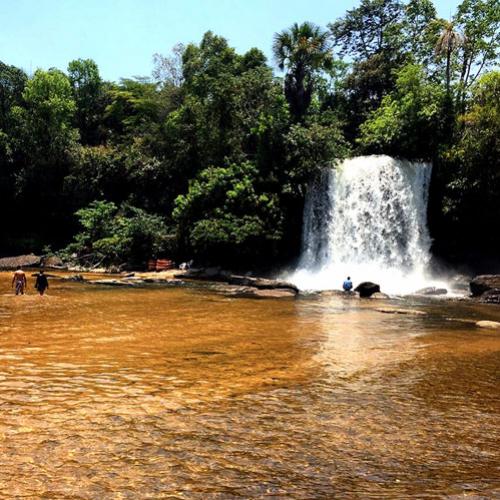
184 393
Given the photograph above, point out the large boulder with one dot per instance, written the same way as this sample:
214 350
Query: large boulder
367 289
484 283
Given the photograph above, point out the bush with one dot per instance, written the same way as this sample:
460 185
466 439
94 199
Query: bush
111 235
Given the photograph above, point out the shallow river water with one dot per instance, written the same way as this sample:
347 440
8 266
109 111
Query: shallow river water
183 393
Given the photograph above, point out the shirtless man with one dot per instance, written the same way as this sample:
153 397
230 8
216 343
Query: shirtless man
19 281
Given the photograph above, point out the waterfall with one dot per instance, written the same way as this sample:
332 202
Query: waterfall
367 218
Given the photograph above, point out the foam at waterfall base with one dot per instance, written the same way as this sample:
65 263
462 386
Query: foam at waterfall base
391 281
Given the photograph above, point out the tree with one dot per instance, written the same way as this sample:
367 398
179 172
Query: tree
407 123
12 83
421 30
448 42
372 28
88 92
168 69
226 216
479 21
112 235
133 110
46 119
304 51
472 167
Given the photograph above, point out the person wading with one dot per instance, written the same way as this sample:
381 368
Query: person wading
19 281
41 283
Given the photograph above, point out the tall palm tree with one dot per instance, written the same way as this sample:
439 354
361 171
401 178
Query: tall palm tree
304 51
449 41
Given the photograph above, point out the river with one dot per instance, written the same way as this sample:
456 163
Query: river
184 393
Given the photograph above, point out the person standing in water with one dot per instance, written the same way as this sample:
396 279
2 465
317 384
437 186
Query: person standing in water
19 281
41 283
347 286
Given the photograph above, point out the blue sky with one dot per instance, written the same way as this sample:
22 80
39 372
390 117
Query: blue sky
122 35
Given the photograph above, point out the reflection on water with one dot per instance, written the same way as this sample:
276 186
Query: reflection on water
156 393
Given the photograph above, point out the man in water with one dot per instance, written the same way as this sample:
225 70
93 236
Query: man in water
19 281
41 283
347 286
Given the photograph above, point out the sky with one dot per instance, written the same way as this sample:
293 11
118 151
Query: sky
121 36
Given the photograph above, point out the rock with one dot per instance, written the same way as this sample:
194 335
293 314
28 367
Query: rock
29 260
76 277
391 310
52 262
431 290
261 283
491 296
329 293
277 293
367 289
113 282
379 295
484 283
488 324
218 275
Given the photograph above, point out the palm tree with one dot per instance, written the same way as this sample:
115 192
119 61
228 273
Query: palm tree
304 51
447 43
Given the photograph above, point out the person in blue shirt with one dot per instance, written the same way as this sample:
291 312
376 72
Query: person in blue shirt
347 286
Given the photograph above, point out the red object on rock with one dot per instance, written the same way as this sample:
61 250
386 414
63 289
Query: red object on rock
160 264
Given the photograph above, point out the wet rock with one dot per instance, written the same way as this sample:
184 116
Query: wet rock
431 290
218 275
113 282
491 296
29 260
488 324
392 310
484 283
276 293
331 293
367 289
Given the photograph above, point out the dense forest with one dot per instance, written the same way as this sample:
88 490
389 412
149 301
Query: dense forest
210 157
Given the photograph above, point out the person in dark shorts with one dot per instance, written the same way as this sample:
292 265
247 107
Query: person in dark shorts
41 283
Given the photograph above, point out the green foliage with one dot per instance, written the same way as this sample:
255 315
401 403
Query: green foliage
408 121
474 179
228 216
310 147
220 150
88 92
12 83
372 28
115 236
45 121
304 51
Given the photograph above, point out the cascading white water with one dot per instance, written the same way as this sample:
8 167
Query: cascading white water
367 219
